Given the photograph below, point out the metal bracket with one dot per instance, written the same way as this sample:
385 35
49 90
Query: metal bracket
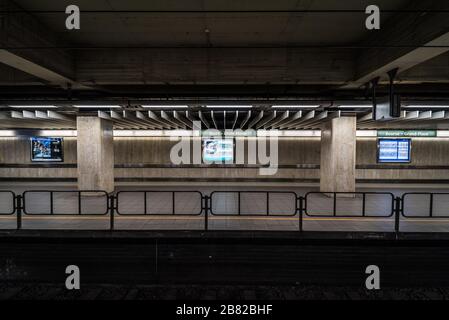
395 106
374 84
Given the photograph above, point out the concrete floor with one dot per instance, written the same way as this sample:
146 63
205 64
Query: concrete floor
160 206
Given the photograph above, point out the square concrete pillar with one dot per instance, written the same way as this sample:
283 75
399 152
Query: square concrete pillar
95 154
338 147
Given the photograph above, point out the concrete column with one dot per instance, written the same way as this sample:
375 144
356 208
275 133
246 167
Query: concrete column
338 144
95 153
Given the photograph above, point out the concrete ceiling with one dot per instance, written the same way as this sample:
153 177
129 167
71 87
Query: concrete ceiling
209 48
224 29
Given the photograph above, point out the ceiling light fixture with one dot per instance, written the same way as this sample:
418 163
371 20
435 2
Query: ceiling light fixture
355 106
294 106
96 107
229 107
420 106
164 107
34 107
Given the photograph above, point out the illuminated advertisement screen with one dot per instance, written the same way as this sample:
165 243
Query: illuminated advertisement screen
218 150
394 150
46 149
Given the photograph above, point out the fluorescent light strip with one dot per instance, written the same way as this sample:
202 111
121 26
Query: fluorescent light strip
229 107
58 133
164 107
34 107
300 133
42 133
443 133
152 133
289 133
426 107
295 107
356 106
96 107
7 133
171 133
366 133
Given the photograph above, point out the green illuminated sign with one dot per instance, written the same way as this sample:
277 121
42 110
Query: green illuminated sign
407 133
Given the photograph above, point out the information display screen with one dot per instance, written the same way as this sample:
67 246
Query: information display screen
218 150
393 150
46 149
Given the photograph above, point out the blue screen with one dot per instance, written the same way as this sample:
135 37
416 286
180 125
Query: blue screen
46 149
394 150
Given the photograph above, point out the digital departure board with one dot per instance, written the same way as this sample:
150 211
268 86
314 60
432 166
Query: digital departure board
394 150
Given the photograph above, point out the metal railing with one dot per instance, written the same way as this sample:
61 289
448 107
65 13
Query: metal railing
233 206
430 205
168 206
9 198
357 202
72 202
80 203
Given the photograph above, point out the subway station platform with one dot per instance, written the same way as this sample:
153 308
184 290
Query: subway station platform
224 142
174 207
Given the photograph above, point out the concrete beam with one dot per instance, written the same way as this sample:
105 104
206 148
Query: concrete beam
20 36
402 42
435 70
32 68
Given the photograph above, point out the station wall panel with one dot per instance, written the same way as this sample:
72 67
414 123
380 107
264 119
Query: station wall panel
148 158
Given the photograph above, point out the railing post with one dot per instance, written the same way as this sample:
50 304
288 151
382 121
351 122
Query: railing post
397 213
206 212
268 203
431 205
301 209
19 211
363 204
112 211
240 210
335 204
